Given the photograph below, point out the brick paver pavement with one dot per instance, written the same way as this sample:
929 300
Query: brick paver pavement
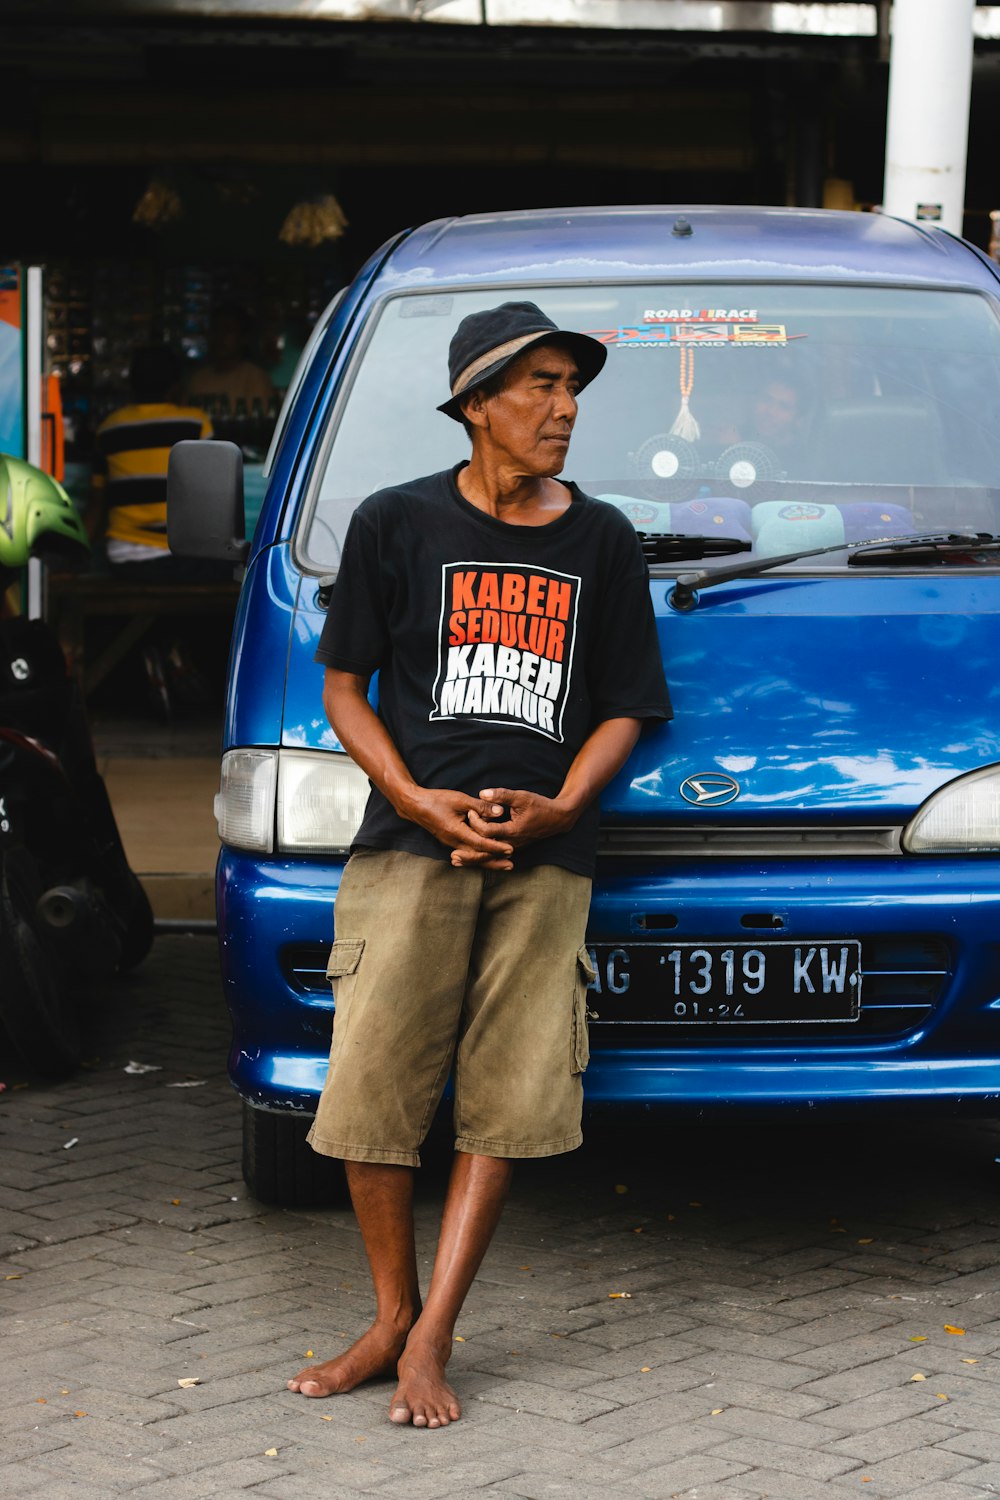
699 1308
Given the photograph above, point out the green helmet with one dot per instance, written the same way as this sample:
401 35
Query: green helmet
36 514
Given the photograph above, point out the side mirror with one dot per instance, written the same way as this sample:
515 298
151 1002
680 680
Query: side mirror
205 501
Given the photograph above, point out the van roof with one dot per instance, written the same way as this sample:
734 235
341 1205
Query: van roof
639 244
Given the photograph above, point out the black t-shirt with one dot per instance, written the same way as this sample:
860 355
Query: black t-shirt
499 647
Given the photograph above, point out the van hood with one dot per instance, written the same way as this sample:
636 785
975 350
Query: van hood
847 697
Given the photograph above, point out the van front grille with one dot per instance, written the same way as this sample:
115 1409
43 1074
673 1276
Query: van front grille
903 979
654 841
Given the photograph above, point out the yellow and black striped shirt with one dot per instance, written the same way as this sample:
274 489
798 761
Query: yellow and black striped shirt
132 448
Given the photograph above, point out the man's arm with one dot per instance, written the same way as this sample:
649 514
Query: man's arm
447 815
531 817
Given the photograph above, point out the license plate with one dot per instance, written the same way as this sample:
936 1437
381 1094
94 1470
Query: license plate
694 984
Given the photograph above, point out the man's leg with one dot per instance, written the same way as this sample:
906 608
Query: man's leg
476 1195
382 1197
401 1013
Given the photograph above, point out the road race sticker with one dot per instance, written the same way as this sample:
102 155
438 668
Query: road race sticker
707 327
505 650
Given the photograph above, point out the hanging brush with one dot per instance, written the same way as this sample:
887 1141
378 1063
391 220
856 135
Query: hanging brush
685 426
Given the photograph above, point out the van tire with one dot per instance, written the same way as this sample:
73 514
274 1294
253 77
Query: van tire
280 1167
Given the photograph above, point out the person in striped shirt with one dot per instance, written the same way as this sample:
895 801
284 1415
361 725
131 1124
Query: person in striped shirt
129 480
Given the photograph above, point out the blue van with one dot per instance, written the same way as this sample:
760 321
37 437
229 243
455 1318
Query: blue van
799 877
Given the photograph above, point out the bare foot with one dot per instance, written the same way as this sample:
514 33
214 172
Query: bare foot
423 1397
375 1353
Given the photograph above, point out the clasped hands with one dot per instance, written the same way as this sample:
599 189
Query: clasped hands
487 831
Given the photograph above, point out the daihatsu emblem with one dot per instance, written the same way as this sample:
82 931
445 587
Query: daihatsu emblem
709 789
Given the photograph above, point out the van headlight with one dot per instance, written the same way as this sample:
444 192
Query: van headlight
290 801
960 818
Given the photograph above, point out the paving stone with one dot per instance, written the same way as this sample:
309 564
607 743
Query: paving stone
335 1483
729 1391
217 1480
652 1446
652 1351
17 1479
642 1385
625 1333
548 1485
562 1375
545 1401
848 1353
779 1484
731 1364
866 1380
984 1445
766 1424
878 1409
966 1415
114 1471
30 1442
950 1490
896 1437
732 1491
761 1453
985 1477
697 1473
55 1485
458 1475
901 1475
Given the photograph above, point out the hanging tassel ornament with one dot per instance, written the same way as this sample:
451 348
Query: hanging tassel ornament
685 425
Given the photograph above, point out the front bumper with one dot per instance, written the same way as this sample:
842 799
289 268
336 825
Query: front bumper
275 922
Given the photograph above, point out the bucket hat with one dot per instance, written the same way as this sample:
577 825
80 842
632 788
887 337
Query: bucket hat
484 343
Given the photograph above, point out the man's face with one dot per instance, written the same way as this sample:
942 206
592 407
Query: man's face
530 421
226 340
776 412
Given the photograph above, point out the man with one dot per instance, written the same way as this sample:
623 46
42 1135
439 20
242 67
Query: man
129 507
227 373
509 617
132 447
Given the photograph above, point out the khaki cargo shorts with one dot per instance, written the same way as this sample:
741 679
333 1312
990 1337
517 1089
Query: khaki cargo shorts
435 970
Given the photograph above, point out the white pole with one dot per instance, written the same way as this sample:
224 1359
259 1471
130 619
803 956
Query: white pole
34 336
930 80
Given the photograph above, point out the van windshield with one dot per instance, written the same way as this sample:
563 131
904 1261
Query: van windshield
780 416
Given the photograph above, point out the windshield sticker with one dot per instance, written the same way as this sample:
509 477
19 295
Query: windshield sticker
709 328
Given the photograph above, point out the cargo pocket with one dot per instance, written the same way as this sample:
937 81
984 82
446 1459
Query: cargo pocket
585 976
341 966
345 955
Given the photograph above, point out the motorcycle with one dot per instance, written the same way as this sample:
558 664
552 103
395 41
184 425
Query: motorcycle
72 912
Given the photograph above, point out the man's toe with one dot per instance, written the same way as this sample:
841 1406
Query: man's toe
400 1412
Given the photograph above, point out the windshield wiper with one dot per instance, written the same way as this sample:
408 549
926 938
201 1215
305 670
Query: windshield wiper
976 541
684 594
680 546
